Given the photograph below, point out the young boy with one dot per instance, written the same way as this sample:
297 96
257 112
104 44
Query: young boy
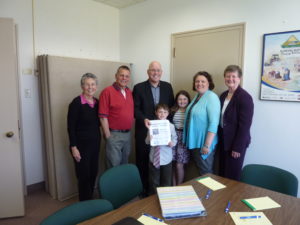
160 174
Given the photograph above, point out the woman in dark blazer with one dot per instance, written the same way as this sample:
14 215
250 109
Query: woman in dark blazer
84 136
236 119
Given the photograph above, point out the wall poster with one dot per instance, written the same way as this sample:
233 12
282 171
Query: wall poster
280 78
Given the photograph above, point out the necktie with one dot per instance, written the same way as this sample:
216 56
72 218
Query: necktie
156 158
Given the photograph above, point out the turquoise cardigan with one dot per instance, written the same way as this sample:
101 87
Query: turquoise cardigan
204 117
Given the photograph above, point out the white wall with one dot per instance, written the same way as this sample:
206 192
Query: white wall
21 12
146 30
77 28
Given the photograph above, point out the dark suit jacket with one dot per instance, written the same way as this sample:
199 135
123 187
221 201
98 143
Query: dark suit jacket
237 120
143 101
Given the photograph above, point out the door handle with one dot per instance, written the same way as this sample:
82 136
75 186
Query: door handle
9 134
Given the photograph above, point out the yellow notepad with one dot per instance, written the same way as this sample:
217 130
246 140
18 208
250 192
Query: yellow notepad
146 220
261 203
250 218
211 183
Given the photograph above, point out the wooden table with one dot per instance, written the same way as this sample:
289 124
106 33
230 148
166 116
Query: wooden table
287 214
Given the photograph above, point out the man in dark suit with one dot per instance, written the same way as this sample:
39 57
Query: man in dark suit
146 96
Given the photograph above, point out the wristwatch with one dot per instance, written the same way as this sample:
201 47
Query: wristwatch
205 146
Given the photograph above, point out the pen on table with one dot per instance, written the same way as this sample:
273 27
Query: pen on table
208 194
250 217
228 207
153 217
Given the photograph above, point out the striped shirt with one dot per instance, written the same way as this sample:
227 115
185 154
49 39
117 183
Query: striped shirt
178 119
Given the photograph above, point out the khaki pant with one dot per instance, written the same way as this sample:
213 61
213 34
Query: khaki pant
118 147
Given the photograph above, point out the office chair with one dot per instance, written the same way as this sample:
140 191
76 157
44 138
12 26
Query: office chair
120 184
270 177
78 212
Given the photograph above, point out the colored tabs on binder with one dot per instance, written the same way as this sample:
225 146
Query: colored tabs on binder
261 203
180 202
250 218
211 183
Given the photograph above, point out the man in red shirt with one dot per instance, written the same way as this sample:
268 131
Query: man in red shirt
116 117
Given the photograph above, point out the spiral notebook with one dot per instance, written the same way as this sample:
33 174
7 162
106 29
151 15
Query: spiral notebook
180 202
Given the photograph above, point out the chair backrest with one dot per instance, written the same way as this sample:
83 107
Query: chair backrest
78 212
120 184
271 178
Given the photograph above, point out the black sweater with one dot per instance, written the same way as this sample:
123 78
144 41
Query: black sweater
83 122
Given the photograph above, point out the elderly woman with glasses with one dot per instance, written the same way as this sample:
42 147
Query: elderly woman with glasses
84 135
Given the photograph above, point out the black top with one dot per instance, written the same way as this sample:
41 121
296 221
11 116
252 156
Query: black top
83 122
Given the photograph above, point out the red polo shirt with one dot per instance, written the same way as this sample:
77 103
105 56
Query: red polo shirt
116 108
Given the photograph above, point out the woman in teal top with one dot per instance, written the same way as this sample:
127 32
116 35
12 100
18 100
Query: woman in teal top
201 122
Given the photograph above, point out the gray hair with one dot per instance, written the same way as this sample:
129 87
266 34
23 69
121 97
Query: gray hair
86 76
233 68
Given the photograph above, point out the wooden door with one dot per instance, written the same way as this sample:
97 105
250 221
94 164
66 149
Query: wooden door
11 181
210 50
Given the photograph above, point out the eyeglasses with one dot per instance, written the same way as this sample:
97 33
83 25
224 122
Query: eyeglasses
154 70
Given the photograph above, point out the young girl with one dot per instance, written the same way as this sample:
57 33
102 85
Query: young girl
181 155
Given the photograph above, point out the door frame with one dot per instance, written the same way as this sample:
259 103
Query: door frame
20 123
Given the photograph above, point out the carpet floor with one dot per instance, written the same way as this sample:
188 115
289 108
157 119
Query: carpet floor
38 205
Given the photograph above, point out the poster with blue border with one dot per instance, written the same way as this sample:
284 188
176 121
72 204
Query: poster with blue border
280 79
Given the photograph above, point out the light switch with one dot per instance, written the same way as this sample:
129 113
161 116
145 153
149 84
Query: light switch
27 71
28 93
